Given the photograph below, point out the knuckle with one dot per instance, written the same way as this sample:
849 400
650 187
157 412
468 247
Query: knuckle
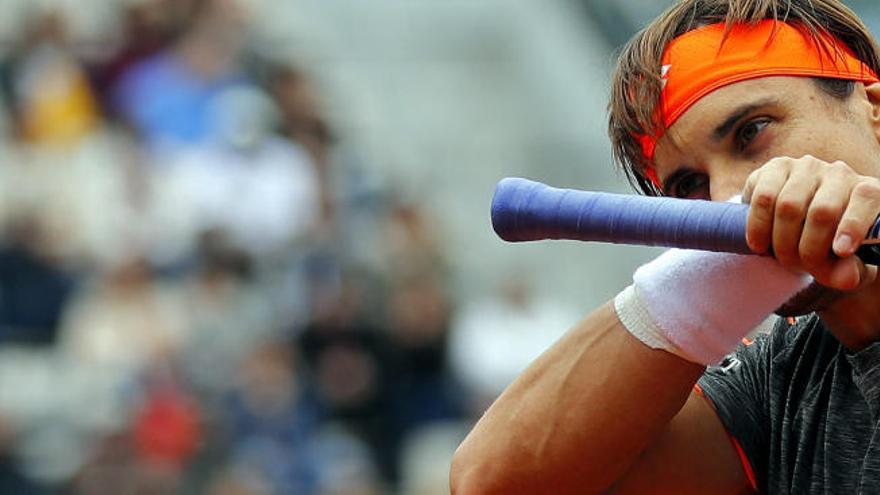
868 189
839 169
789 209
777 162
814 264
752 179
758 240
763 199
824 213
813 258
807 158
852 226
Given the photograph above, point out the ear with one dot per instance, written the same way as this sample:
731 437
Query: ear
872 92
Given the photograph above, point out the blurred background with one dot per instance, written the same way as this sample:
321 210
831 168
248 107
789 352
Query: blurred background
245 245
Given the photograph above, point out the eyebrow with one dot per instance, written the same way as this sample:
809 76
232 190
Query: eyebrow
719 134
724 128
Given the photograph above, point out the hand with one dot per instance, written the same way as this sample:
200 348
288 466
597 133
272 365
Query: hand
814 214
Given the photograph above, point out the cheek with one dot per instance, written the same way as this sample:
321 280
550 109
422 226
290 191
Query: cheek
866 150
865 163
729 178
854 145
846 135
794 141
725 184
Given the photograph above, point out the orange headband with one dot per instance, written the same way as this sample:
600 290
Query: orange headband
703 60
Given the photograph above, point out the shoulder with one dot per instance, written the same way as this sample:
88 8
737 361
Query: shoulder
755 389
791 340
796 351
761 375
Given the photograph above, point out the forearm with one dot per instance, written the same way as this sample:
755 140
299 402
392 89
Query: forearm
578 416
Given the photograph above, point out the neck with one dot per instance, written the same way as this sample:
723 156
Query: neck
855 318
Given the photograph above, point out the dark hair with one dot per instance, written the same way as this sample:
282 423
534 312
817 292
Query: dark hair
636 84
836 88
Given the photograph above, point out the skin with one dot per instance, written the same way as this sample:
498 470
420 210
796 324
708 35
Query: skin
600 412
807 164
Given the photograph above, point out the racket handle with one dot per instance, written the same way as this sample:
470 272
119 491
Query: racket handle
523 210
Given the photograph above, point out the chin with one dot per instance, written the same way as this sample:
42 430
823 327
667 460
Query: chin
815 297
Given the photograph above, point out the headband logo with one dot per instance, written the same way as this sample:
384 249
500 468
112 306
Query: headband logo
664 76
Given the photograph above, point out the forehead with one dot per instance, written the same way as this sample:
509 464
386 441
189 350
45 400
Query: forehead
698 124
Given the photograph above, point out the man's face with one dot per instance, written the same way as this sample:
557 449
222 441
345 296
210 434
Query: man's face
713 147
711 150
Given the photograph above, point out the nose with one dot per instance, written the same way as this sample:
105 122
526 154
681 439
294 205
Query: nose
728 182
723 193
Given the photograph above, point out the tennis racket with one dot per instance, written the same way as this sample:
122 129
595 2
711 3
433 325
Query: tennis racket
524 210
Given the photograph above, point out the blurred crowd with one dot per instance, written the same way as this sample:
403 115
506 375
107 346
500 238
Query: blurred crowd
200 294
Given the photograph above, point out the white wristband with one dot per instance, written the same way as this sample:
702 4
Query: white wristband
698 305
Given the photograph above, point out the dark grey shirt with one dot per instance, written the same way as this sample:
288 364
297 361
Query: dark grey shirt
804 410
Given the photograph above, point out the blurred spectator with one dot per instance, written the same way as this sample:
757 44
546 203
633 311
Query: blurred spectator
411 241
115 468
426 392
272 422
125 322
147 27
46 88
419 319
34 288
236 480
494 339
302 116
352 363
259 189
87 200
346 465
218 331
166 428
225 315
303 121
12 477
170 98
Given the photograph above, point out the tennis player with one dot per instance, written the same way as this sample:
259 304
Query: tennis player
655 392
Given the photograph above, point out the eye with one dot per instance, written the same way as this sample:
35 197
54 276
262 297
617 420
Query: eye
690 186
749 131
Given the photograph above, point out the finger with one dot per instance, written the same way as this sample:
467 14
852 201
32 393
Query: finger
792 206
868 275
823 215
762 201
858 218
848 274
749 188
